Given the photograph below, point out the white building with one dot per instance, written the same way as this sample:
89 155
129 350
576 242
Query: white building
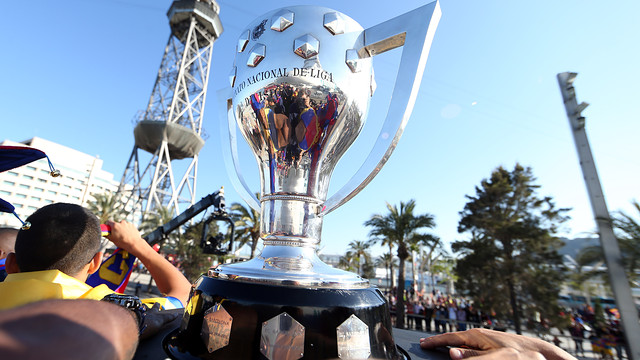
30 186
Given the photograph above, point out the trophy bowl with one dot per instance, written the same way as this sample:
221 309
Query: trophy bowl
300 97
299 93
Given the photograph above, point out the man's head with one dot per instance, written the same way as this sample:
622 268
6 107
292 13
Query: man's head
63 237
7 241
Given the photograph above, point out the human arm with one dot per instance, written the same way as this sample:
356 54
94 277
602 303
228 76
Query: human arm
68 329
168 278
484 343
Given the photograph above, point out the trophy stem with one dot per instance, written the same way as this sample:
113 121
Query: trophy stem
290 229
290 220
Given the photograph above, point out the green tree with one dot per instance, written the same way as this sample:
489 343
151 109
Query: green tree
387 260
156 218
586 266
347 262
431 252
192 261
478 270
511 257
628 234
368 270
150 222
400 226
183 242
627 230
360 252
106 207
414 252
153 219
417 245
247 224
446 268
384 241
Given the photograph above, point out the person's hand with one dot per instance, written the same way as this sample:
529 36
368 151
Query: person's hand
155 319
484 342
509 354
125 235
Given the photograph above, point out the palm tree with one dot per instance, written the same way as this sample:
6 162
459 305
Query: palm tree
627 231
416 243
193 262
360 254
346 262
159 217
154 219
247 224
390 243
628 234
434 250
446 267
387 261
401 226
586 265
106 207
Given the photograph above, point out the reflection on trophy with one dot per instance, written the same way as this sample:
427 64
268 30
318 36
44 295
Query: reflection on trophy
300 90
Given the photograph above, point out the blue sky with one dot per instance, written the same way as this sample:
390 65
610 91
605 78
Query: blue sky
77 72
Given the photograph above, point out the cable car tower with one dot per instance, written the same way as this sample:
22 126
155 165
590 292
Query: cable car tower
171 127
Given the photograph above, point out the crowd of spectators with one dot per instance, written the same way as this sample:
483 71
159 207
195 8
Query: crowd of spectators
599 327
442 313
595 326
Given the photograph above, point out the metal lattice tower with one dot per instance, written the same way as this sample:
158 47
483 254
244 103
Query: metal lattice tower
171 126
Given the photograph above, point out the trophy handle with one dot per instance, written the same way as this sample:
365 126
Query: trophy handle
414 31
229 143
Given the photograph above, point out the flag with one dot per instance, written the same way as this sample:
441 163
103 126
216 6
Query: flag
114 272
13 157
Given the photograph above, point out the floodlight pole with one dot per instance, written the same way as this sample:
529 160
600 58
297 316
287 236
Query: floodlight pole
610 248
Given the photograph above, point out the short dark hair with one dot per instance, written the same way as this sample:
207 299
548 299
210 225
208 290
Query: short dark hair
62 237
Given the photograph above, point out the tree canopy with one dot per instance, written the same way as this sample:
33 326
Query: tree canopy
193 262
106 206
628 234
400 226
511 262
359 250
627 231
247 223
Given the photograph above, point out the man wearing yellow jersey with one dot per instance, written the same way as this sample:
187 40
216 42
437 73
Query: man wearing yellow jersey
55 255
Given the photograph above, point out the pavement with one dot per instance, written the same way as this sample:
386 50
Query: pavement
142 285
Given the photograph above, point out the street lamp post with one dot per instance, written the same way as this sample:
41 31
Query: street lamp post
610 248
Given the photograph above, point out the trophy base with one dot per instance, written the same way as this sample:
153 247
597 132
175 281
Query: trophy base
228 319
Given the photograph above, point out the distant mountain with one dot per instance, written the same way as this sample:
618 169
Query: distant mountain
573 246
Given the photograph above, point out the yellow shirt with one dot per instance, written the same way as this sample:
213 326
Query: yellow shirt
28 287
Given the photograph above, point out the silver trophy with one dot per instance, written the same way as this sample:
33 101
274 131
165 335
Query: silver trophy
299 93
